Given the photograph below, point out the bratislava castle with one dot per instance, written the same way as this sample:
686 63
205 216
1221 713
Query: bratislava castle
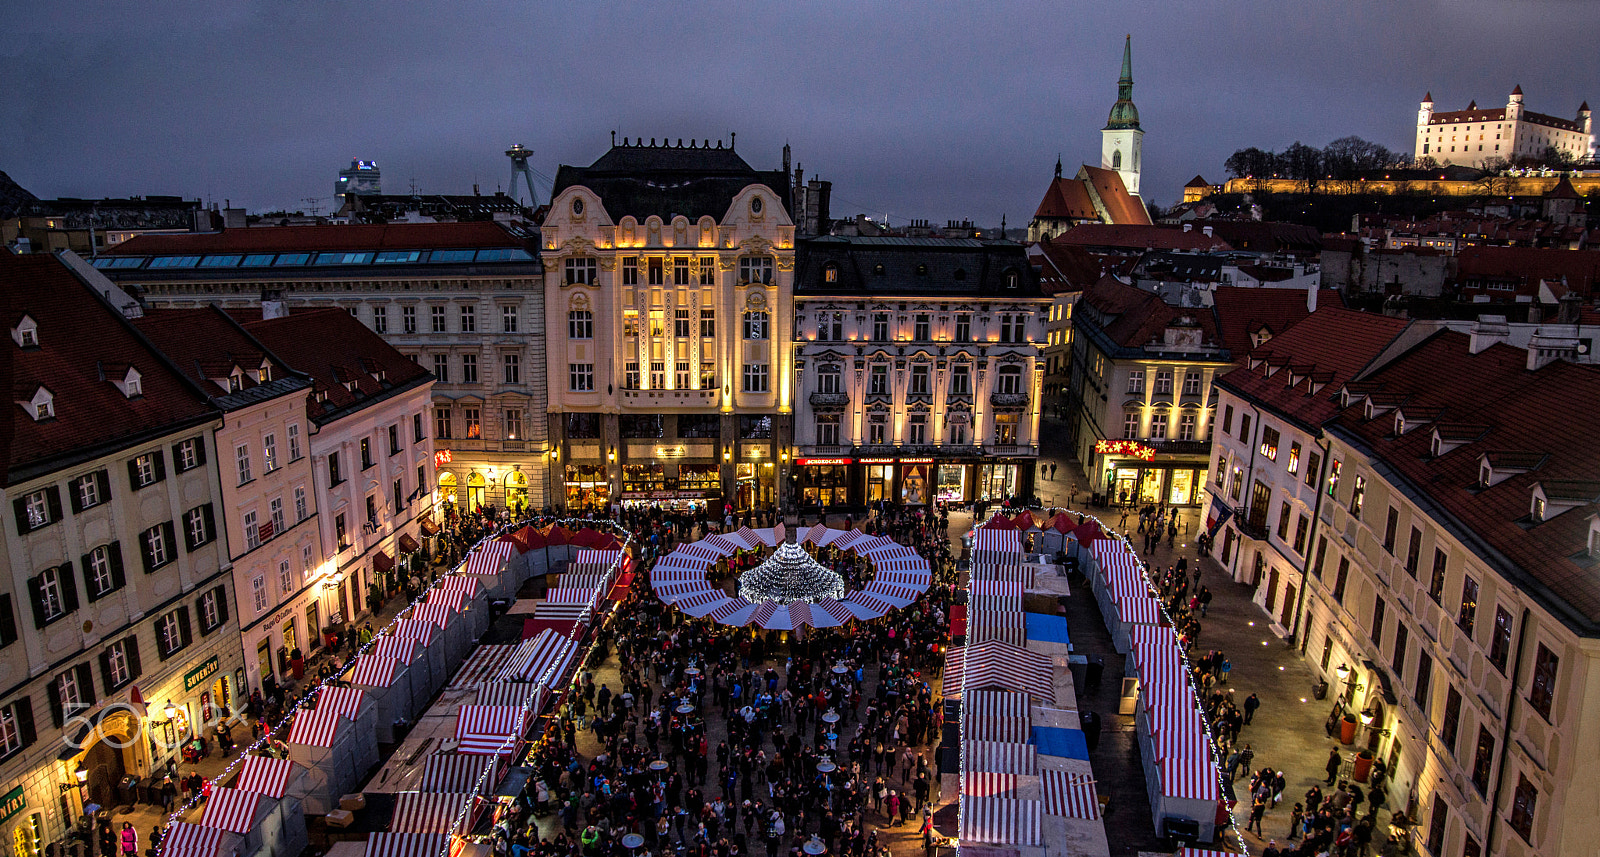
1472 136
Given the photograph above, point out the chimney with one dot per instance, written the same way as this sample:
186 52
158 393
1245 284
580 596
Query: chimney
1569 309
1311 298
1206 230
1489 330
1535 313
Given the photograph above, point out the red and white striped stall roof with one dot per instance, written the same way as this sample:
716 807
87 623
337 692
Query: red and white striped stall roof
1114 555
914 564
1203 852
733 606
995 703
1006 588
415 629
890 552
699 599
821 535
994 539
1005 627
1068 794
513 693
720 543
917 580
484 665
1182 742
439 615
344 701
864 547
1195 779
452 600
542 659
660 575
580 597
1153 639
315 727
375 671
489 558
999 820
387 844
590 580
751 537
697 550
232 809
588 556
430 812
488 729
671 592
456 772
402 649
836 610
999 664
999 757
1139 611
468 585
868 606
265 776
898 595
988 784
194 840
848 539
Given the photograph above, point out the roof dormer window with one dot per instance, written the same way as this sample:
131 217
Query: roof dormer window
131 384
236 381
42 406
1436 446
1537 512
1485 474
1368 409
264 374
1399 424
26 333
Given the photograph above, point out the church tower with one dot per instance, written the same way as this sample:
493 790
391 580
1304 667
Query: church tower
1122 140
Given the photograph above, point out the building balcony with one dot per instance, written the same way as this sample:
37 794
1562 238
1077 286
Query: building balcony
821 451
1010 449
669 398
1253 529
1008 400
1179 447
834 401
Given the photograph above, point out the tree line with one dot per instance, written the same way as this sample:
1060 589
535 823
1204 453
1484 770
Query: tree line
1347 159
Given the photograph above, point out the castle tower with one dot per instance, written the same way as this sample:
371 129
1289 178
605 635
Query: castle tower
1122 140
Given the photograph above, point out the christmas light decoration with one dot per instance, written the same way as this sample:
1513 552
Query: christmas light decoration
788 576
527 707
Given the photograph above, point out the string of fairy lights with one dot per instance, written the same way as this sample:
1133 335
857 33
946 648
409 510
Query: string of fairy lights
1188 669
510 742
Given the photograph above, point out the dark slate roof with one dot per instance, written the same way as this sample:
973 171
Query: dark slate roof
79 335
950 266
269 239
667 181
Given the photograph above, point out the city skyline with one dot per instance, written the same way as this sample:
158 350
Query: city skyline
263 105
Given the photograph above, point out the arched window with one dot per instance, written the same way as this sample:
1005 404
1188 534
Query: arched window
1116 160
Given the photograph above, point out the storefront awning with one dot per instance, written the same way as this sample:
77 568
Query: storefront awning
408 543
428 527
383 562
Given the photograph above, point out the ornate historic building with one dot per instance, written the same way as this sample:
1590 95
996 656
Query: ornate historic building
668 275
918 371
1478 134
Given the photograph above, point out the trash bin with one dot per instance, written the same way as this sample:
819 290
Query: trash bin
1363 766
1090 722
1347 729
1320 690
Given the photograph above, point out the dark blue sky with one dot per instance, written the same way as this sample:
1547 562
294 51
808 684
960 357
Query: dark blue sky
931 110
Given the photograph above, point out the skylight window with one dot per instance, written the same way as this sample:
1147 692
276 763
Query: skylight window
291 259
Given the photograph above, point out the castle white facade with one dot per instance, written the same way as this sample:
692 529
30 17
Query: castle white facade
1476 135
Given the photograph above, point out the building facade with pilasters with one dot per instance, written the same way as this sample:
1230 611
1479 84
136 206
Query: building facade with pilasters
918 370
669 272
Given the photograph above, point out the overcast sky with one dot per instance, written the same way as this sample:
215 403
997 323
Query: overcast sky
919 109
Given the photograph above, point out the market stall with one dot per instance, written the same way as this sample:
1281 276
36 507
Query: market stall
431 651
285 784
410 655
325 744
197 840
361 709
255 818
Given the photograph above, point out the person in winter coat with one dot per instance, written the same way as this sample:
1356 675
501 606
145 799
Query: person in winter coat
130 839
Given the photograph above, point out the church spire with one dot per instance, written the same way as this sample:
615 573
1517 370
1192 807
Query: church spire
1123 113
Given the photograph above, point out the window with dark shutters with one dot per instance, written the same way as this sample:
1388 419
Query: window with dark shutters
18 722
213 610
184 636
8 621
128 647
26 523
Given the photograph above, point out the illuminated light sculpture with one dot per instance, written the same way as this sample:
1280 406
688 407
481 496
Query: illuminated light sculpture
790 575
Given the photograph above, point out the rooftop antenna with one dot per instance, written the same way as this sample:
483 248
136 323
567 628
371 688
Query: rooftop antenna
314 203
519 167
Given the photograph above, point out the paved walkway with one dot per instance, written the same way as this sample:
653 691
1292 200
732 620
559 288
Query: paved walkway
1286 733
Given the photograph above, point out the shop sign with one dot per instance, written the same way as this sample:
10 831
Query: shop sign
671 451
1124 447
197 676
877 461
442 457
916 461
12 803
827 460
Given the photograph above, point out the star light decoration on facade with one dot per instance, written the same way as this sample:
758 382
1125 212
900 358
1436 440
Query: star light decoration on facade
790 575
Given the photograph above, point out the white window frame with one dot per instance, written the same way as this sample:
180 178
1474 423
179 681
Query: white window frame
194 522
98 574
509 318
269 453
1135 382
117 666
258 592
300 512
275 505
89 491
38 510
756 379
580 377
252 536
294 441
145 466
155 540
54 604
241 457
188 454
10 733
285 577
580 324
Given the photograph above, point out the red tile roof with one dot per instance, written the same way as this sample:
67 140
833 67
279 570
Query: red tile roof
206 344
1121 206
1524 412
1265 236
1141 238
79 335
1242 311
1067 199
1526 266
1068 268
1321 352
282 239
335 349
1132 317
